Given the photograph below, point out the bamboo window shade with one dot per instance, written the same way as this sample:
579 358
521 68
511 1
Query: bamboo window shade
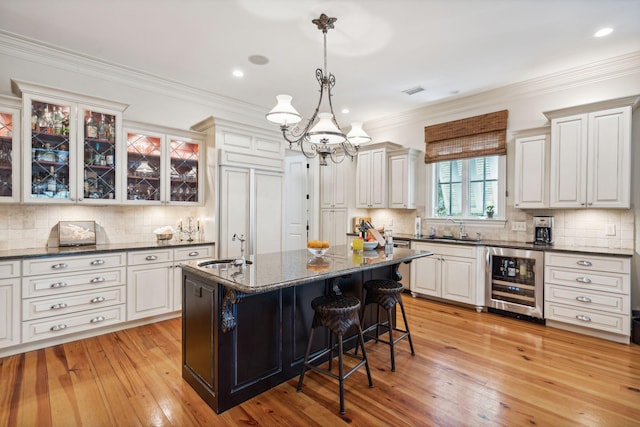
483 135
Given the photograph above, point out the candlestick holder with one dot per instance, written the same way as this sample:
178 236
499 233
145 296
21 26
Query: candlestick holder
192 227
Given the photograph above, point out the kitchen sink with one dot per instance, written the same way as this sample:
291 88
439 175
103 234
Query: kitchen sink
221 264
454 239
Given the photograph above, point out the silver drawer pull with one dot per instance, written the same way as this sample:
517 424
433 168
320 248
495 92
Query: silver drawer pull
194 253
583 299
584 263
59 285
97 299
58 306
59 266
97 262
58 327
98 280
583 280
151 258
98 319
583 318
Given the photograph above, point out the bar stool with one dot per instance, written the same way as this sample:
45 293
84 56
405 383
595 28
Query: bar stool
386 293
336 313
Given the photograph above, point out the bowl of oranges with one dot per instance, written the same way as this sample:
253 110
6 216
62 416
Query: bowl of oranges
318 248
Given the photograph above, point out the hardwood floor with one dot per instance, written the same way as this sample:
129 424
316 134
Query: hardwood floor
470 369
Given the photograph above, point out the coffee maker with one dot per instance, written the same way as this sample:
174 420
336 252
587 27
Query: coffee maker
543 230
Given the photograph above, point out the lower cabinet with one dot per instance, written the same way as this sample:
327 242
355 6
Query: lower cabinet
149 283
588 294
452 273
9 303
186 254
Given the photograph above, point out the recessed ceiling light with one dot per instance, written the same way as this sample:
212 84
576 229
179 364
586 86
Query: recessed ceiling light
603 32
258 59
238 73
345 111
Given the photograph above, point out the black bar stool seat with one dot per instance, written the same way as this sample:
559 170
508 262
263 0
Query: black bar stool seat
386 293
338 314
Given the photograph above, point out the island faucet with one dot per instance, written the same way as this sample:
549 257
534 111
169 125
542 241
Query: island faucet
240 262
463 233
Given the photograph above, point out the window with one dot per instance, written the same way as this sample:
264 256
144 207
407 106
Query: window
466 187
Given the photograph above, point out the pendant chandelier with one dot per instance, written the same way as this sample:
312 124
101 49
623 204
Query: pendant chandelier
321 135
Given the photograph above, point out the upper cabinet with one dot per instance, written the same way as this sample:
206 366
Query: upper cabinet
335 179
590 155
371 179
531 183
9 150
163 165
70 146
405 170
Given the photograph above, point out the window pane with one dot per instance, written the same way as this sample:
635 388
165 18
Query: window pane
476 169
491 167
476 198
456 200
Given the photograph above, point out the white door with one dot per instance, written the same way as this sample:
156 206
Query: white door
296 184
268 212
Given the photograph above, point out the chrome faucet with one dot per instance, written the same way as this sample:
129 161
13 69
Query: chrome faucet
463 233
240 262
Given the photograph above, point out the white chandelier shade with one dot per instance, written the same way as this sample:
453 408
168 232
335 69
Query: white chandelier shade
283 113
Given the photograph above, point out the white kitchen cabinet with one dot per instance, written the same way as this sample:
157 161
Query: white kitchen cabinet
149 283
71 150
590 156
589 294
371 179
72 294
182 255
531 183
251 204
404 169
336 182
452 273
9 303
9 150
334 225
164 166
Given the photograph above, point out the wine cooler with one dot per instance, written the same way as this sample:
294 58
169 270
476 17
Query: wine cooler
514 282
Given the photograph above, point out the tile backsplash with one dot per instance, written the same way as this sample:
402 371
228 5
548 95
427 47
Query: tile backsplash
30 226
580 227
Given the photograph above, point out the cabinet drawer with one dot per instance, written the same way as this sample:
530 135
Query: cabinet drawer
64 325
37 308
608 302
588 280
588 262
63 283
150 257
448 250
610 322
75 263
196 252
9 269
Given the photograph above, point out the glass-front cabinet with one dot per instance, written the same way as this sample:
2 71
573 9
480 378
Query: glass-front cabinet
70 147
163 165
9 150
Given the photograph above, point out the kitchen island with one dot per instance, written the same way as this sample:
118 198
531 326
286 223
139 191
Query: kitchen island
244 330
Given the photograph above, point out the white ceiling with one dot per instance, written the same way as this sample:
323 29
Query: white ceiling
378 47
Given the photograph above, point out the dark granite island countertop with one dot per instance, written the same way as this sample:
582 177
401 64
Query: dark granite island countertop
245 331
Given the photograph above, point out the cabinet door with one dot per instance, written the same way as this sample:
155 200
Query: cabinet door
9 312
268 212
9 154
363 180
341 225
378 179
327 183
145 169
235 202
568 177
50 155
327 225
458 279
609 177
398 182
425 274
531 185
186 177
149 290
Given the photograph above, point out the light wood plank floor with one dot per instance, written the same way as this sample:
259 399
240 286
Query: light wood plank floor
470 369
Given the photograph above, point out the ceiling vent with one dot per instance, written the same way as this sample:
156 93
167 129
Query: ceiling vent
413 90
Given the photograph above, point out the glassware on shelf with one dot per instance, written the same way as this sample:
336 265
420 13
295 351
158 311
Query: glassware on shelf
91 127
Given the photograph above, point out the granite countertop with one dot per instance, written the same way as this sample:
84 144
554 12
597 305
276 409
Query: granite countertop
515 245
93 249
269 272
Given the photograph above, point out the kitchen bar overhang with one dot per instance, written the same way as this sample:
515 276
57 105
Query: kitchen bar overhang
244 330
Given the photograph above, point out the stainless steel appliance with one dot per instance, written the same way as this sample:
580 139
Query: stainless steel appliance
514 282
404 269
543 230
